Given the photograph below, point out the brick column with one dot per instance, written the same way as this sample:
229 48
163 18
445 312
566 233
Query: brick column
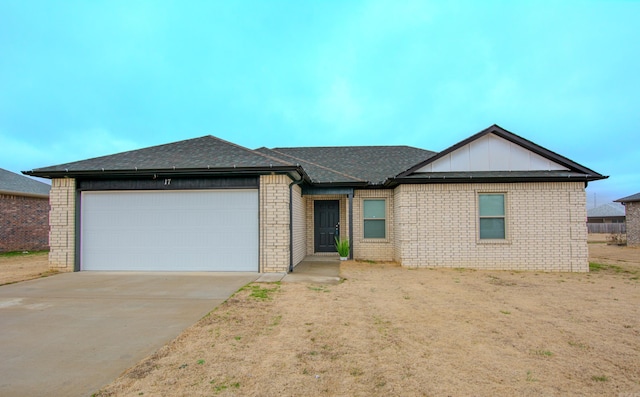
632 211
62 224
274 223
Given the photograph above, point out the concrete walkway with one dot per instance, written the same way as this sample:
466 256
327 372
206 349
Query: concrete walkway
71 334
313 269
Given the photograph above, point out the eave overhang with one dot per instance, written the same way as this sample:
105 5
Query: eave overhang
494 177
294 172
22 194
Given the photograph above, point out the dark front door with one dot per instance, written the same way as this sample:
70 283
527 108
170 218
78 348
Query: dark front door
326 214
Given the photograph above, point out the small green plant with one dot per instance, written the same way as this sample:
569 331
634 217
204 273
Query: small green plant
578 345
223 386
259 292
200 362
545 353
595 267
505 312
530 377
21 253
356 371
601 378
342 246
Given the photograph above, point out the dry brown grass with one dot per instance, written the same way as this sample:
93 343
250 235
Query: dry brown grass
21 267
387 330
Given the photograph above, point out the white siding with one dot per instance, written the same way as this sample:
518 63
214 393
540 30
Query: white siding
199 230
491 153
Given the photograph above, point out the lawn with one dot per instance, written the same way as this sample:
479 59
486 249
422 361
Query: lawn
386 330
21 266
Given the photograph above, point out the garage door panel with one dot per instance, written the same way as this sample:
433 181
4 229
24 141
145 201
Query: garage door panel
170 231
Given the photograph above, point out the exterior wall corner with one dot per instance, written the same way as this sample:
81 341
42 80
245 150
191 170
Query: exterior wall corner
62 227
274 223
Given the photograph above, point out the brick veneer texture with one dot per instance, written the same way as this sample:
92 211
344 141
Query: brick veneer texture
437 226
274 223
62 224
373 249
427 226
24 223
632 212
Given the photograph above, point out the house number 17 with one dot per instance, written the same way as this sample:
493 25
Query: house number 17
167 182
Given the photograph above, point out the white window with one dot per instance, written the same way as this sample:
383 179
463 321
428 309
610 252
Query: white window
491 207
375 218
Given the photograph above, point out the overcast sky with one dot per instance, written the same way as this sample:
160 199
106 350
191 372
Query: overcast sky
80 79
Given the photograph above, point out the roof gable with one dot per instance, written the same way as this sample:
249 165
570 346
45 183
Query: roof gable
607 210
21 185
490 152
498 150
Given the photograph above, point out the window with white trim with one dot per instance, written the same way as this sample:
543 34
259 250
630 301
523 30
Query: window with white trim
375 220
492 222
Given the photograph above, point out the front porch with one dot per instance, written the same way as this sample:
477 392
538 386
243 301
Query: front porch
315 269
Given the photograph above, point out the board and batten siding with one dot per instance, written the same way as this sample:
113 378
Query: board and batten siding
436 226
491 153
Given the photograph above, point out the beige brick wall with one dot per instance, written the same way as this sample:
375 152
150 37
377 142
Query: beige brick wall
62 224
274 223
632 211
299 226
344 218
373 249
436 225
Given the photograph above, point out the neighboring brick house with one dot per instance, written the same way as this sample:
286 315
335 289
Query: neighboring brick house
24 213
492 201
632 213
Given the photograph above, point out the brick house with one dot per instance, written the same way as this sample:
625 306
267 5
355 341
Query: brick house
492 201
632 213
24 213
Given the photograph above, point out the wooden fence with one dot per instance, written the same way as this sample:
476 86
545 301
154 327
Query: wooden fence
609 228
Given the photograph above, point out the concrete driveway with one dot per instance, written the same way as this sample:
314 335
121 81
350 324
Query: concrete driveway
71 334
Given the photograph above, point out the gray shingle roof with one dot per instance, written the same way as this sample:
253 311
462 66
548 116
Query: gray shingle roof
606 210
18 184
373 164
316 172
628 199
354 165
199 153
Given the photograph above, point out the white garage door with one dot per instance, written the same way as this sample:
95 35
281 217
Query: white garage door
194 230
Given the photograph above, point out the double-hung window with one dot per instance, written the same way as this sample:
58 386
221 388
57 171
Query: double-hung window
492 224
375 218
